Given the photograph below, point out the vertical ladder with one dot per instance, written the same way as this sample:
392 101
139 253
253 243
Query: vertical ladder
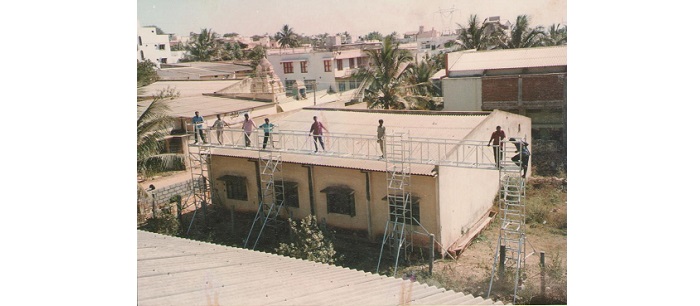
397 232
272 199
511 206
200 158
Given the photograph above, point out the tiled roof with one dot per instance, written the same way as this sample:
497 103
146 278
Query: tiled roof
177 271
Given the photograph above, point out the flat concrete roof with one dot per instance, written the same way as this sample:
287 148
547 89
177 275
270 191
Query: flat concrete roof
178 271
428 124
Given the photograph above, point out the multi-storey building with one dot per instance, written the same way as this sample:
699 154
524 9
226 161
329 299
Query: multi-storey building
326 69
155 47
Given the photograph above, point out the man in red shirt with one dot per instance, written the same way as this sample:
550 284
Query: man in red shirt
317 131
497 138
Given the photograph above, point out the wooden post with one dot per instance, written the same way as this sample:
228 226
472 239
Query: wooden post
502 262
432 253
542 273
233 220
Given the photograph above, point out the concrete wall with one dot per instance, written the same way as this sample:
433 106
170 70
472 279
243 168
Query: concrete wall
149 45
315 67
221 166
465 196
371 210
462 94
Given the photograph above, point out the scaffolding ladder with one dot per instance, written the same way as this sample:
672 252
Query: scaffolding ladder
200 158
398 234
511 239
272 196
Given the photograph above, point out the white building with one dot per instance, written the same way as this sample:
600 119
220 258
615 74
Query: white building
155 47
327 69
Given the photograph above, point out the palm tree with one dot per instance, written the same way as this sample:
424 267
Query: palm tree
555 35
151 127
422 94
202 46
287 38
383 80
473 36
522 36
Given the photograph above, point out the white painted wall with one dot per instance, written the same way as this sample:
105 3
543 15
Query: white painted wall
462 94
149 43
314 63
465 196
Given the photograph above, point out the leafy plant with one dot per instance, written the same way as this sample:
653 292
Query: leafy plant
308 242
145 73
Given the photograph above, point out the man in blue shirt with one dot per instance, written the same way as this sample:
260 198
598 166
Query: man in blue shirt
267 128
198 122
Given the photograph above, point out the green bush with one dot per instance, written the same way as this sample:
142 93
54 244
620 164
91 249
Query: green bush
308 242
166 224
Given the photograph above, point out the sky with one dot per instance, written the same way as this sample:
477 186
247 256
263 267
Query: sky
309 17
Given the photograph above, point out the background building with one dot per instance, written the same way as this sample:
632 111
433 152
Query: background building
526 81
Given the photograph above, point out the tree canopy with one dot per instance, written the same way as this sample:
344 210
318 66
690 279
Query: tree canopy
202 46
145 73
287 38
151 126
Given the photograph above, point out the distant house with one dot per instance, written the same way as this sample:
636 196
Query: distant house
326 69
155 47
526 81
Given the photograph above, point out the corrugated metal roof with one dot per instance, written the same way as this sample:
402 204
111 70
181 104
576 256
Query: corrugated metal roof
509 58
208 105
177 271
185 88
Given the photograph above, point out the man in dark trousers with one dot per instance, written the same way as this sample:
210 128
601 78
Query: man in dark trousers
497 138
522 156
317 131
197 122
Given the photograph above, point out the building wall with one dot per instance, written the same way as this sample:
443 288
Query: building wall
462 94
148 43
221 166
371 209
465 195
315 67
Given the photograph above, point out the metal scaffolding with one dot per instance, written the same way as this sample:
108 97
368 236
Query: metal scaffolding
272 200
200 158
397 231
510 248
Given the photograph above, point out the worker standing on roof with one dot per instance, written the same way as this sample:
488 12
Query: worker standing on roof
497 138
219 126
197 122
248 126
381 129
317 131
267 128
